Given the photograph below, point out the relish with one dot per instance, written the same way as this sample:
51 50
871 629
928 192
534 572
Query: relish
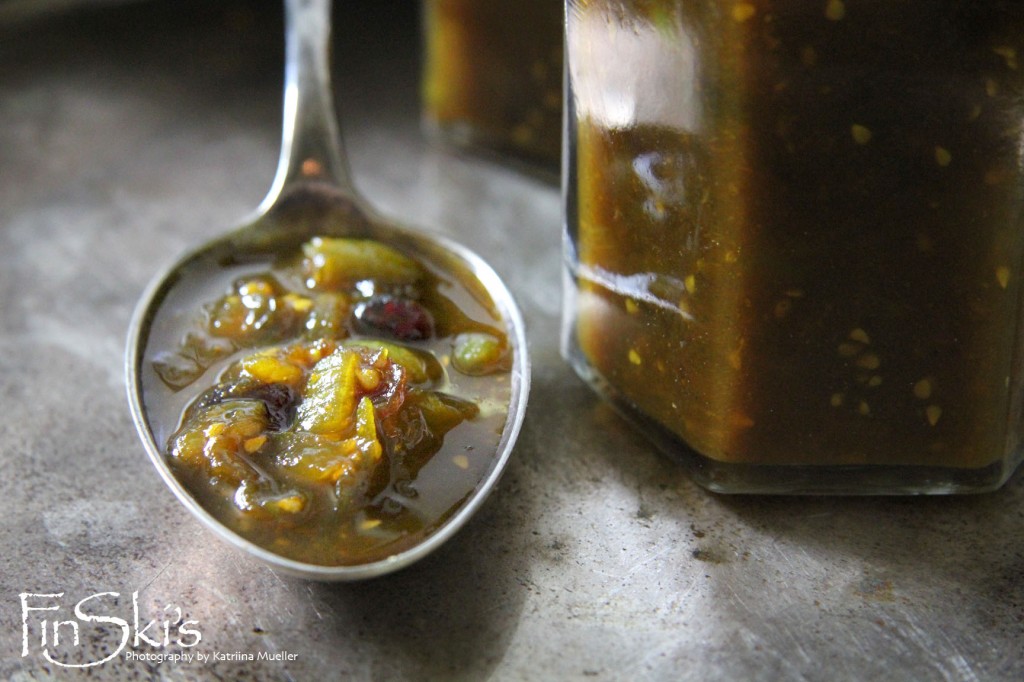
492 76
796 246
337 413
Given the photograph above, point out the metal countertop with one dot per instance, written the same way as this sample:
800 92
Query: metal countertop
129 132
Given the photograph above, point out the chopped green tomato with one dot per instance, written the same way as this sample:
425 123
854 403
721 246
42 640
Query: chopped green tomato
215 439
366 432
476 354
250 308
176 369
313 458
229 317
347 464
443 412
268 369
207 349
330 399
355 478
421 367
333 263
418 430
327 313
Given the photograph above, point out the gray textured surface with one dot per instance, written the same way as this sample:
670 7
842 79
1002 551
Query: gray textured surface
127 134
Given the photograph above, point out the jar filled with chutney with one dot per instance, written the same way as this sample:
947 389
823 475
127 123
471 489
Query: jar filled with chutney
795 232
492 78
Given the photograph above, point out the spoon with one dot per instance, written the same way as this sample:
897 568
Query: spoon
311 195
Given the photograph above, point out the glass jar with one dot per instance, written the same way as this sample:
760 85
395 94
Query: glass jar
795 236
492 77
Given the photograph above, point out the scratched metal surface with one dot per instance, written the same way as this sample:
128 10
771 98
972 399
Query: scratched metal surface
130 132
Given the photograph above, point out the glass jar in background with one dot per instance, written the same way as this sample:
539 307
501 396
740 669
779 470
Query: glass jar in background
492 78
795 236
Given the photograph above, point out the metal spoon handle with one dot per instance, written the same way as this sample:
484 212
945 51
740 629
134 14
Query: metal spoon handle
311 147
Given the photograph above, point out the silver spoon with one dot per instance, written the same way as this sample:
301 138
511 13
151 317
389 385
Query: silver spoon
311 195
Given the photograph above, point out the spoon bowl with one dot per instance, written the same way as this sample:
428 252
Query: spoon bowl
312 195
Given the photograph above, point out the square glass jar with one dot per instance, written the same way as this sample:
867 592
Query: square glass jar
492 78
794 236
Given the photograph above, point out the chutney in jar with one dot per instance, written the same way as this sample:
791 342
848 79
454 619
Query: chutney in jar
492 77
795 236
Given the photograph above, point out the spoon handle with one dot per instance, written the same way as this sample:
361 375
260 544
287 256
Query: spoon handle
311 147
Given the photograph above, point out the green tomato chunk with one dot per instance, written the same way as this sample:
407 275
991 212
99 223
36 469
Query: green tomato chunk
332 263
476 353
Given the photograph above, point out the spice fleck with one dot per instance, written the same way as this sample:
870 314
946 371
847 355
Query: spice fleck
1009 54
868 361
1003 276
835 10
861 134
860 335
743 11
923 389
848 350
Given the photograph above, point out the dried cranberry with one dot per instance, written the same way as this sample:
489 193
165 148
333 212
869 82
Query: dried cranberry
399 318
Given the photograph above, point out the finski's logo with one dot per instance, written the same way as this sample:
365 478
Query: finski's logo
57 627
